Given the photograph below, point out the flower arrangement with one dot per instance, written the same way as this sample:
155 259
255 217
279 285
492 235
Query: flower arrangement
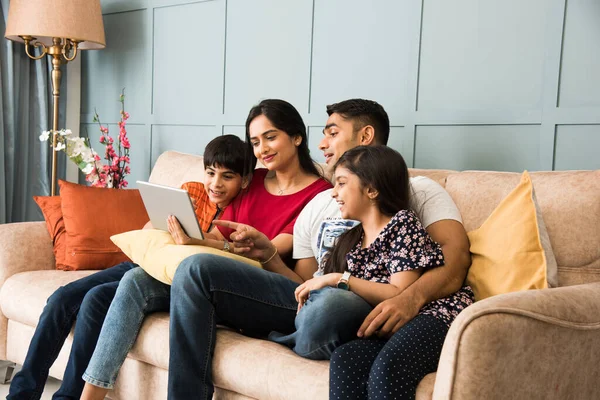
80 151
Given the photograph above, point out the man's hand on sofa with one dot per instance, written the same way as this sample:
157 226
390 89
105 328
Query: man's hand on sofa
389 316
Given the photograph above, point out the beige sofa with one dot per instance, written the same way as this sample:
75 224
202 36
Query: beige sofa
529 345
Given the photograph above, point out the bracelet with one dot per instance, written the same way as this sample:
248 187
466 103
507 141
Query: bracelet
270 258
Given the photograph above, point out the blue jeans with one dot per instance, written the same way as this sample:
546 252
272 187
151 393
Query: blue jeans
86 300
209 290
138 295
329 318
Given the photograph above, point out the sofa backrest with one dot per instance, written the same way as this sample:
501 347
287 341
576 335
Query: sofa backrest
174 169
570 204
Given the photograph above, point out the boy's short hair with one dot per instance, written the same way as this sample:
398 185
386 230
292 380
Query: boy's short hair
362 113
227 151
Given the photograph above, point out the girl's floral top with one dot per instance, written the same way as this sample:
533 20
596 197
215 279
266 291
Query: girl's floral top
405 245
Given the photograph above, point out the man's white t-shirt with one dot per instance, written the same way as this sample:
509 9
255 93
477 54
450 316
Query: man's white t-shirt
428 199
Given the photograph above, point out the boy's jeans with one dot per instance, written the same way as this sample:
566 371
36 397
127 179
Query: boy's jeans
86 299
138 295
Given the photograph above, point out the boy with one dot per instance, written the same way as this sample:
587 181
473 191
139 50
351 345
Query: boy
89 298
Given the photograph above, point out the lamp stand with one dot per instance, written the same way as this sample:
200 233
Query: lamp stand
59 52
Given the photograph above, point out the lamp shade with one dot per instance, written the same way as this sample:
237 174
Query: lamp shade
79 20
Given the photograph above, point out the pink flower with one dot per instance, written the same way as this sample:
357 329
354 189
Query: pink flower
112 173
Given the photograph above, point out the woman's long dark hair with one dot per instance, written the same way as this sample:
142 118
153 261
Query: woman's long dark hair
286 118
383 169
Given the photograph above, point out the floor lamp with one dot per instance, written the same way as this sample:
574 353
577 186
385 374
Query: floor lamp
60 28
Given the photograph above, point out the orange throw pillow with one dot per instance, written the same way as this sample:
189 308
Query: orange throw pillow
91 216
50 206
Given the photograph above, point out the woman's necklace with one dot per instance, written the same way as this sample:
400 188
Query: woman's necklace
280 192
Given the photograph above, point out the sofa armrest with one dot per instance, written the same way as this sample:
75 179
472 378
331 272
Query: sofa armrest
538 344
24 246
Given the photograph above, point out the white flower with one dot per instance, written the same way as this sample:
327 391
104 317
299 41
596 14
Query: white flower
44 136
89 168
65 132
78 146
86 154
60 146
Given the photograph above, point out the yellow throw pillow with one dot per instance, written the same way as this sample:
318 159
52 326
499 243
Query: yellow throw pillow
511 251
156 252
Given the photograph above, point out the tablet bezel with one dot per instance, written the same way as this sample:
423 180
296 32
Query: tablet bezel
161 201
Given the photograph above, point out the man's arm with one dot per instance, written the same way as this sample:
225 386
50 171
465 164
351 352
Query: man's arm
436 283
306 267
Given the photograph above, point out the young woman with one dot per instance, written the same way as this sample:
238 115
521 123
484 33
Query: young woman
276 136
370 263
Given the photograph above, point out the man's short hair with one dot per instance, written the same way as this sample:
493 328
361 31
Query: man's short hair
227 151
362 113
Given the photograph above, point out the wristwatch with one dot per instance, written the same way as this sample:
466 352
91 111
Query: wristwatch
226 247
343 282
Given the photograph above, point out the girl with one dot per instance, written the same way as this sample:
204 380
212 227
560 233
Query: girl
370 263
275 136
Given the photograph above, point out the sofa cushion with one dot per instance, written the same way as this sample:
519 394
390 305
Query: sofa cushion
569 201
24 295
273 366
156 252
50 206
91 216
508 252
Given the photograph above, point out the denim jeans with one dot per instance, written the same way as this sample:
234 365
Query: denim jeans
329 318
138 295
209 290
86 300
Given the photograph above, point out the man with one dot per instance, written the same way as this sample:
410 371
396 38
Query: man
359 122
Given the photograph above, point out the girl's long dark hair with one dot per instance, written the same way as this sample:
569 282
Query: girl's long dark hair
383 169
286 118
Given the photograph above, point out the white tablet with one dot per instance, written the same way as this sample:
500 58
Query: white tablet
161 201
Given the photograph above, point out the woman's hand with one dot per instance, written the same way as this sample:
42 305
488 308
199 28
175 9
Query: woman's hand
248 241
176 231
302 292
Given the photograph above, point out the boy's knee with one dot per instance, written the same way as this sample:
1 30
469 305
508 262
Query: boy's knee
134 278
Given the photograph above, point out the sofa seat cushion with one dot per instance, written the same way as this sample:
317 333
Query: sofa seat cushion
267 368
24 295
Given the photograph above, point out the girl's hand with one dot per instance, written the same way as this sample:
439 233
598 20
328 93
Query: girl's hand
302 292
176 231
248 241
